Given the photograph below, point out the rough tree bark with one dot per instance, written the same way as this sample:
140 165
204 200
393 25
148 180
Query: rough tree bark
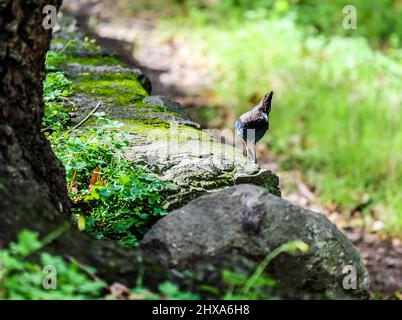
33 193
26 158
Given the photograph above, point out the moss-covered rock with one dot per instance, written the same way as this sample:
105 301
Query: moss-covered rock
161 135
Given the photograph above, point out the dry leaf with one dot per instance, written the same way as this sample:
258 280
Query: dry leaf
94 179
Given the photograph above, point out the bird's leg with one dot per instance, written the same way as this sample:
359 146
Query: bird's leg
245 145
252 134
254 152
249 153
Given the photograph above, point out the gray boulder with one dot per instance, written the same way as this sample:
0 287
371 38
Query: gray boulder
247 221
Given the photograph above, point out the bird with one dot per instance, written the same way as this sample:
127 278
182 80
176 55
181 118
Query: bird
252 125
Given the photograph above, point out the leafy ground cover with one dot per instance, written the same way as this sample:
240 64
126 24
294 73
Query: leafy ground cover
113 198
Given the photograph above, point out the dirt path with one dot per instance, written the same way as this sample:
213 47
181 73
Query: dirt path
172 73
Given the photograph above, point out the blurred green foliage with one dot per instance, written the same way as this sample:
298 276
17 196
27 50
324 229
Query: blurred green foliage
22 276
167 291
378 20
56 87
258 286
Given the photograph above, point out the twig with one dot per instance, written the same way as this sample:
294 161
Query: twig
87 117
65 47
68 101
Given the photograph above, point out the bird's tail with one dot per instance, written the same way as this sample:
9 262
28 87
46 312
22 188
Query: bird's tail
266 102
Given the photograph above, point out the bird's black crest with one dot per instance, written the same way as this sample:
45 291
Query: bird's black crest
266 102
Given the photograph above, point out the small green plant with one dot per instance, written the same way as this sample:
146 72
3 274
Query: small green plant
255 286
124 200
55 119
50 66
22 276
56 87
167 291
171 291
91 147
126 208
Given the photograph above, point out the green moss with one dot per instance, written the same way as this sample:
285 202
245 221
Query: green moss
104 76
97 60
151 108
163 130
145 126
227 179
120 93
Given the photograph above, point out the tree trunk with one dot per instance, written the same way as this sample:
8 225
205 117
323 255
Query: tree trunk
26 158
33 193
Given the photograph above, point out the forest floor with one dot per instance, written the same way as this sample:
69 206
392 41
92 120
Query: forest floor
173 73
